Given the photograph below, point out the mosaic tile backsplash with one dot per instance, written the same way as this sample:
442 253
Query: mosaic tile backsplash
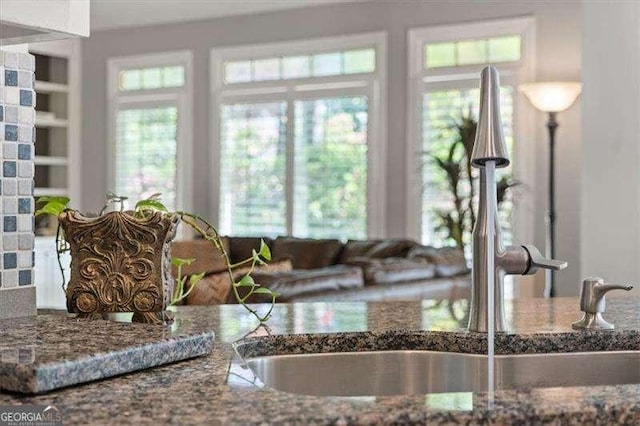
17 136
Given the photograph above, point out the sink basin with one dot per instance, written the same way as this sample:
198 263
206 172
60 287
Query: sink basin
417 372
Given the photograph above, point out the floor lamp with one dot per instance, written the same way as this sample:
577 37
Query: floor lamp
552 98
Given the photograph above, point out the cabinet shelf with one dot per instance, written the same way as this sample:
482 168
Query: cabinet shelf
57 127
50 87
51 122
45 160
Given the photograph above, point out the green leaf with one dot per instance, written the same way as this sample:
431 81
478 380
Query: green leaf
195 279
176 261
265 252
246 281
53 205
262 290
150 204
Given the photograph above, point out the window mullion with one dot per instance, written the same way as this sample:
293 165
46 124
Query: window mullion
290 119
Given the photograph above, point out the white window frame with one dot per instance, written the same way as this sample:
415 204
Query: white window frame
181 97
421 80
372 85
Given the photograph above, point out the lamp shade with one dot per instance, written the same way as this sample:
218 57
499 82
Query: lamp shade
553 96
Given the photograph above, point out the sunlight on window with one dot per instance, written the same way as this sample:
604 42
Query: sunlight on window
296 67
266 69
357 61
470 52
151 78
131 80
295 145
146 148
237 72
330 181
330 169
326 64
253 169
504 49
440 55
441 110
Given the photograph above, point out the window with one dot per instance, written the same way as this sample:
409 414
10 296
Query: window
151 78
468 52
301 66
150 139
146 152
297 131
445 63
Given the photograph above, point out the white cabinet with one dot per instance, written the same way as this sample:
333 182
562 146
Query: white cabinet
57 121
57 155
48 279
27 21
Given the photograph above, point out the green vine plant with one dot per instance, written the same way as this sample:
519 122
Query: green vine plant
56 205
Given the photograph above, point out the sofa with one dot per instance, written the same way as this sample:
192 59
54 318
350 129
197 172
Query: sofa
304 269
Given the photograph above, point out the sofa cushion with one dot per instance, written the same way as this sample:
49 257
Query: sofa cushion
449 261
435 288
306 253
207 257
215 288
242 247
390 248
355 248
393 270
281 265
298 282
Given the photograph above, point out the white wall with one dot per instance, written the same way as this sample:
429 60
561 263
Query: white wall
558 51
610 226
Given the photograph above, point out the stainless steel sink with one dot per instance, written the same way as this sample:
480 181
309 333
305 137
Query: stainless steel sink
417 372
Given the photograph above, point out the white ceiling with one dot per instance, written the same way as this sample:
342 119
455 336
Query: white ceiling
107 14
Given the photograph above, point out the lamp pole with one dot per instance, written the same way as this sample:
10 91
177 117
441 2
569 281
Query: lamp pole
552 125
551 97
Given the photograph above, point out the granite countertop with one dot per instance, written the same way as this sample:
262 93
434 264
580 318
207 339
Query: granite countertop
47 352
215 389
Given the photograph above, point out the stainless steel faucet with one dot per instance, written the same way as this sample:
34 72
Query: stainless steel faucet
511 260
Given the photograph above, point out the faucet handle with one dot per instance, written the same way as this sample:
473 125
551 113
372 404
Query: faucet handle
592 303
537 260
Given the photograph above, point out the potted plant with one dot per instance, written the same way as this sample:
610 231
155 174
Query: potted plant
120 260
455 175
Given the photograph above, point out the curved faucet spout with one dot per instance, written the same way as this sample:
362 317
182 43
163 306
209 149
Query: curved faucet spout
605 288
514 260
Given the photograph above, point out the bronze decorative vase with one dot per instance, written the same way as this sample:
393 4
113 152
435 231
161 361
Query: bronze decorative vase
120 263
